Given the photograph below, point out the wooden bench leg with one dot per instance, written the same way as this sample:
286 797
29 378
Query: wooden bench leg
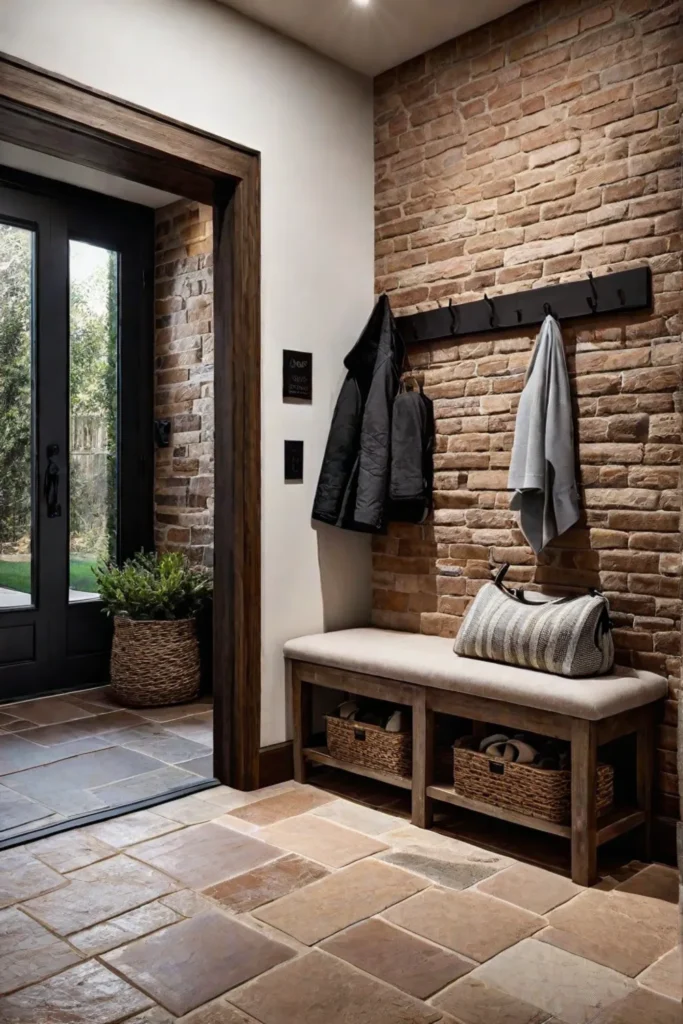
584 803
423 761
645 775
301 721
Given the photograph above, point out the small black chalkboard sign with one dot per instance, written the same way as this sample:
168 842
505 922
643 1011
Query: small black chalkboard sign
297 375
294 461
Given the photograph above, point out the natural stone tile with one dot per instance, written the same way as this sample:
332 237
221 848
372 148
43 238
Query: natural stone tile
453 874
16 810
141 787
284 805
656 882
194 727
54 784
95 725
157 1015
342 899
155 741
321 840
119 930
642 1007
402 960
86 994
410 839
319 989
666 976
619 930
565 985
11 720
225 798
225 954
190 810
129 829
217 1012
28 952
18 754
266 884
236 824
71 850
16 725
100 891
468 922
23 876
357 816
204 855
472 1001
201 766
187 903
173 713
530 887
50 710
23 830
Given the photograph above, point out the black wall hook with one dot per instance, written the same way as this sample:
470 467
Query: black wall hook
454 319
492 308
592 299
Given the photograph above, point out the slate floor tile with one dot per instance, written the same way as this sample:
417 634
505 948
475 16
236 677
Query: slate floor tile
321 840
23 876
151 783
50 711
566 986
120 930
202 766
530 887
17 754
155 741
86 994
217 1012
204 855
266 884
342 899
95 725
666 976
129 829
284 805
197 727
187 902
403 960
469 922
175 711
318 989
472 1001
16 809
28 952
98 892
69 851
642 1007
620 930
190 963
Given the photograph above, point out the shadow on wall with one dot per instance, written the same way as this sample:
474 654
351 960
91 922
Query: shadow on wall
345 563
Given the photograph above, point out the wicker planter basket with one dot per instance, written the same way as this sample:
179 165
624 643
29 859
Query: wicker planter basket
538 792
154 663
370 746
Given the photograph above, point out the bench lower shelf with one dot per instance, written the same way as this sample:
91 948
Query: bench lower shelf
320 755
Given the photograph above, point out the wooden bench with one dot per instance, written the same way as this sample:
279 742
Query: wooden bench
424 673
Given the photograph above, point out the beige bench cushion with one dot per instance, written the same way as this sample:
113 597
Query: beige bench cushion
430 661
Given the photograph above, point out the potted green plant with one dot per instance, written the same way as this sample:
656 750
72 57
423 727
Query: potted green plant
154 600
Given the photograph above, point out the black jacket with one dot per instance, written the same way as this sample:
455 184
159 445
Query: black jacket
353 488
412 458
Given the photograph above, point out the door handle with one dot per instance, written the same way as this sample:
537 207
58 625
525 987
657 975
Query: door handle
51 485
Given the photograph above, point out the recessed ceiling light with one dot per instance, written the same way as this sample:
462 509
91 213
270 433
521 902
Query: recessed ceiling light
361 3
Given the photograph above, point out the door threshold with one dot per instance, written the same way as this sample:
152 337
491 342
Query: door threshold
94 817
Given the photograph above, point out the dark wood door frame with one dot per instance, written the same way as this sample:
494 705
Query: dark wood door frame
43 111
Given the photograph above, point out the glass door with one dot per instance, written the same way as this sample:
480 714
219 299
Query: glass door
76 452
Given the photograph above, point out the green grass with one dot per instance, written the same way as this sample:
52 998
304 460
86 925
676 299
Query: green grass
17 575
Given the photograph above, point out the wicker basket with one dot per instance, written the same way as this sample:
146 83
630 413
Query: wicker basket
154 663
538 792
370 746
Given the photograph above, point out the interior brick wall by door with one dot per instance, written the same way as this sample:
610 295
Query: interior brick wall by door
184 480
539 147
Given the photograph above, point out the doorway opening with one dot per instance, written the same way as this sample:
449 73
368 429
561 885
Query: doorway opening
106 322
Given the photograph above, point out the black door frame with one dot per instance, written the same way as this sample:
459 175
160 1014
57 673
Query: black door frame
43 111
71 639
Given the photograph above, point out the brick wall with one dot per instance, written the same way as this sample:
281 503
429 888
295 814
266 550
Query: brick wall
184 379
539 147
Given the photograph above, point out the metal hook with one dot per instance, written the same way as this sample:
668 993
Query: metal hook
519 315
592 299
492 318
622 297
546 309
454 321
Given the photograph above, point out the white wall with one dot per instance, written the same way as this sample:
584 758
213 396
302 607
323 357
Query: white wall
201 63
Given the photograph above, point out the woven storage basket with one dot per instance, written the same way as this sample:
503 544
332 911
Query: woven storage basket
538 792
154 663
370 746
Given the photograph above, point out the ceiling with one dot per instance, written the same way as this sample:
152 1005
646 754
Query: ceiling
86 177
378 36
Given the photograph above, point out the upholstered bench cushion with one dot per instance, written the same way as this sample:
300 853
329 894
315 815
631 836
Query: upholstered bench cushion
430 661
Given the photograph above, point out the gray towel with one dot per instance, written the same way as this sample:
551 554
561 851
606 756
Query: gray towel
542 470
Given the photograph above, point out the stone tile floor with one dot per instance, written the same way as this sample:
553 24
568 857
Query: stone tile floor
70 754
293 905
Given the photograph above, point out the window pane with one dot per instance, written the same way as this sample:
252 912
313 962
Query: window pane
16 351
93 275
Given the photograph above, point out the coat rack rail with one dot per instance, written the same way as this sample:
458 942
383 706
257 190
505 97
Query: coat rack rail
621 292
